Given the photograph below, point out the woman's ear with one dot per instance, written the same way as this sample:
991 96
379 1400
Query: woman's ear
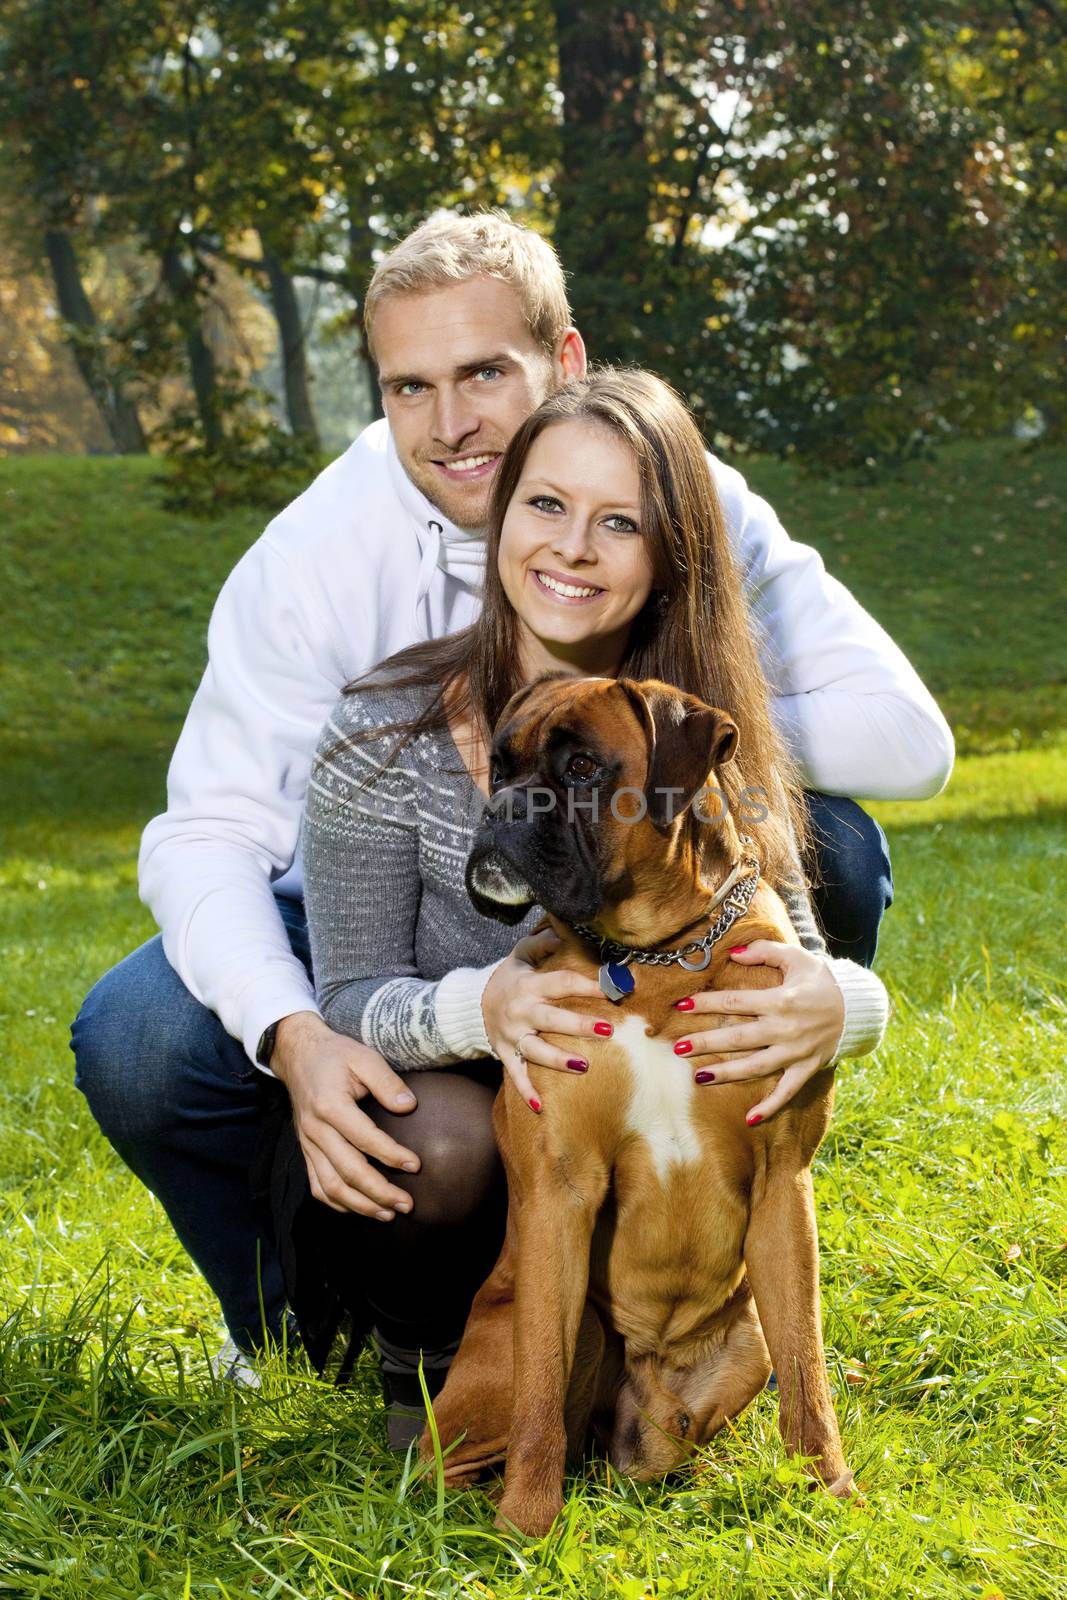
686 741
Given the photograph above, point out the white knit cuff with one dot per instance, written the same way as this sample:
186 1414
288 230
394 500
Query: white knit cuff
458 1010
866 1008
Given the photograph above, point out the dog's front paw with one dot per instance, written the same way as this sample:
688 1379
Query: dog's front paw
526 1515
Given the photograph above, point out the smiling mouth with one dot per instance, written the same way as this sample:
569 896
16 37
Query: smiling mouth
464 467
566 591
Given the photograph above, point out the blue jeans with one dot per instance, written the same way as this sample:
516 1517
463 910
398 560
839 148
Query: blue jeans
854 881
184 1107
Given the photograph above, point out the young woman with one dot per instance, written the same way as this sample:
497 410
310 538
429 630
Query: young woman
607 556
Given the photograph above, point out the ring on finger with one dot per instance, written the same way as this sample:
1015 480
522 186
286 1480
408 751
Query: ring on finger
531 1033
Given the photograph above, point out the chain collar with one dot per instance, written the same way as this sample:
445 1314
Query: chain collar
736 895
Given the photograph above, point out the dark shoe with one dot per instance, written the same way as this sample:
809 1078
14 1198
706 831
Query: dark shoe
405 1412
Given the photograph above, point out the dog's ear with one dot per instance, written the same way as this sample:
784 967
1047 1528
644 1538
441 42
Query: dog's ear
685 738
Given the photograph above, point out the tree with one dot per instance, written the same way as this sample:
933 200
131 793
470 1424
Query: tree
55 140
834 224
44 403
1009 62
604 184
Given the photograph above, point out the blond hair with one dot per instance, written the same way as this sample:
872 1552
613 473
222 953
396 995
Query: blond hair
447 249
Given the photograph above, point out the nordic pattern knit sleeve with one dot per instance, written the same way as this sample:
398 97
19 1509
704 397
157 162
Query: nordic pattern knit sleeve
389 919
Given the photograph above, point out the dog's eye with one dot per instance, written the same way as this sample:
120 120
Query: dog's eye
496 774
683 1423
582 768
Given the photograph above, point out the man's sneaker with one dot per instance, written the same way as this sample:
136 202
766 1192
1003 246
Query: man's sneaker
231 1365
234 1365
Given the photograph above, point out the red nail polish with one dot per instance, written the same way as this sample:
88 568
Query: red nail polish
535 1105
683 1047
576 1064
685 1005
604 1029
738 949
753 1117
704 1077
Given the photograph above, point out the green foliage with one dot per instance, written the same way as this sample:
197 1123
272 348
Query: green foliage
834 226
128 1472
257 463
840 223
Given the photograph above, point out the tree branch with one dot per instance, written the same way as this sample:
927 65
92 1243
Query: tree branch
689 204
258 265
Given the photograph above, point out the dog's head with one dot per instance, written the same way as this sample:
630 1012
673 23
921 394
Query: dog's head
666 1411
591 780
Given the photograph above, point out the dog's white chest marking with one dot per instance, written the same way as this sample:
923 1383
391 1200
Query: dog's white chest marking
660 1108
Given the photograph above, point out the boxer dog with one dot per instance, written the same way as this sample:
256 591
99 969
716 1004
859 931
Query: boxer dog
660 1254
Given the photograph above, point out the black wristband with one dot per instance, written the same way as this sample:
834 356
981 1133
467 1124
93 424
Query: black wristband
265 1047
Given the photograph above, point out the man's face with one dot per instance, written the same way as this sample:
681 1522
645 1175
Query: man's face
459 371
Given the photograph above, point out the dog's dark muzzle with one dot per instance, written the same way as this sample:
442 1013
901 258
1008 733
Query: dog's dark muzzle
525 854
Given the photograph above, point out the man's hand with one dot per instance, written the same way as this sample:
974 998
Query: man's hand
327 1075
798 1024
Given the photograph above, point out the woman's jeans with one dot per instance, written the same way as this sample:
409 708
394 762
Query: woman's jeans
182 1104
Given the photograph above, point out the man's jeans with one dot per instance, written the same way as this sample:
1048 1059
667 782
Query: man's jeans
183 1105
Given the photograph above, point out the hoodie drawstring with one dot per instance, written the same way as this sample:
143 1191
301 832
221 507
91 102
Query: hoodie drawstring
431 552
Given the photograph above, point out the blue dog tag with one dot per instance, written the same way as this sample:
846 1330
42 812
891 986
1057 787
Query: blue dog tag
616 981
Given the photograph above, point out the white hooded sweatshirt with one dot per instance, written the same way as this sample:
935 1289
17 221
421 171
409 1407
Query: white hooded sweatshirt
361 565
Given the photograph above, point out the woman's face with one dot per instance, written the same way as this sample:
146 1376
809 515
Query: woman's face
572 559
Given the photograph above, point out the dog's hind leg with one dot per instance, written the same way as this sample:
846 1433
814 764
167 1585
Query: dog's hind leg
782 1262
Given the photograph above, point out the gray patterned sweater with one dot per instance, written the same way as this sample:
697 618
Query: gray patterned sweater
400 955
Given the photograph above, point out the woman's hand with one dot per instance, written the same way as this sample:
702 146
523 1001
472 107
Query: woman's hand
798 1024
517 1007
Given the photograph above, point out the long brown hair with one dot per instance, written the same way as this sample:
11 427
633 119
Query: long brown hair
693 631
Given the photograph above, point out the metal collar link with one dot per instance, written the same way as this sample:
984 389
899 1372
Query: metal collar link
736 904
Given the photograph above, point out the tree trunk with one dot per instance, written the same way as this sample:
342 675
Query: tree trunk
604 183
118 412
294 349
361 266
370 371
201 359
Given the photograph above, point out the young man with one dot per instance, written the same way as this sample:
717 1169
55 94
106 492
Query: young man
470 327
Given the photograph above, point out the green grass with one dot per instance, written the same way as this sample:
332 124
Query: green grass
124 1471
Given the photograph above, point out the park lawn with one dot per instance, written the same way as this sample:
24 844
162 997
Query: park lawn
125 1471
